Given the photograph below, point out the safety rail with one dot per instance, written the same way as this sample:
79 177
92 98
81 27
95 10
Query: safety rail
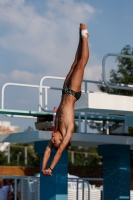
58 78
115 85
40 87
23 185
79 188
21 85
29 114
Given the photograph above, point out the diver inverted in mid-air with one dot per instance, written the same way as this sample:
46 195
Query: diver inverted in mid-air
71 92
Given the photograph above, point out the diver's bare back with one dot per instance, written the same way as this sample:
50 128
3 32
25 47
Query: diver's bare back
65 114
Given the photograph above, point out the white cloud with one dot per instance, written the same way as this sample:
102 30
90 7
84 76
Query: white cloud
50 37
93 72
24 76
18 76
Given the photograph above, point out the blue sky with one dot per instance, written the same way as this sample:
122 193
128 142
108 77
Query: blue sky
39 38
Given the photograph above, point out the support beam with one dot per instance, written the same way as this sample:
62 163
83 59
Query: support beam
54 187
116 166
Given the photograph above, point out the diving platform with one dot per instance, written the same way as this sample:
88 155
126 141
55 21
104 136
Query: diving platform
90 116
78 139
24 113
98 102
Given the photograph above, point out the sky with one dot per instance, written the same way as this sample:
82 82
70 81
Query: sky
39 38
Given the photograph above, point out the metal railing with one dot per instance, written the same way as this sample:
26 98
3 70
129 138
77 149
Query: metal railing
82 190
78 188
110 84
22 185
41 108
46 88
40 87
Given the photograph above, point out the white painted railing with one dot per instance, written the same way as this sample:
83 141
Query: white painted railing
40 87
27 186
78 188
81 122
115 85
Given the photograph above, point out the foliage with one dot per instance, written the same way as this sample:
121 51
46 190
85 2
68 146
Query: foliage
18 150
123 75
80 159
17 156
3 158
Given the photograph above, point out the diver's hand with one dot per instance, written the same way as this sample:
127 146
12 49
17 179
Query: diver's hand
47 172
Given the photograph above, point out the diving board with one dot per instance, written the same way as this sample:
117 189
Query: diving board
105 103
77 116
24 112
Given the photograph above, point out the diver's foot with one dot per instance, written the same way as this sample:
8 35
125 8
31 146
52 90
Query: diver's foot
84 31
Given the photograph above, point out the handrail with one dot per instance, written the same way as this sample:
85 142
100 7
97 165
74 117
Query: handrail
21 85
115 85
16 178
58 78
40 89
76 180
14 84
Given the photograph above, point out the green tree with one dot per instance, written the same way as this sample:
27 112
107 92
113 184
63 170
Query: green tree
18 149
80 159
124 73
3 158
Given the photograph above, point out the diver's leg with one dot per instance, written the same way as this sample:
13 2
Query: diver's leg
77 56
75 80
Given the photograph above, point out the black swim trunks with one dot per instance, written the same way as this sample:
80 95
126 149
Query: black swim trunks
67 90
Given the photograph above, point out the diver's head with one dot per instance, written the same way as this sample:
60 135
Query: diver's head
56 139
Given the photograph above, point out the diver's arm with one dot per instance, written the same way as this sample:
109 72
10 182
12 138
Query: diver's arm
61 148
46 155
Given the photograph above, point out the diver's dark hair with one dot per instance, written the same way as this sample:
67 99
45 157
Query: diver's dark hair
69 144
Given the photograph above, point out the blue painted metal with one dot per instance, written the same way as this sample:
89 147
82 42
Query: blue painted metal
116 171
54 187
37 114
24 112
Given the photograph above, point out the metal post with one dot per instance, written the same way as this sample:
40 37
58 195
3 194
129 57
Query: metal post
85 123
25 151
46 99
22 183
77 189
101 127
72 157
85 86
107 131
8 155
83 190
15 187
79 122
